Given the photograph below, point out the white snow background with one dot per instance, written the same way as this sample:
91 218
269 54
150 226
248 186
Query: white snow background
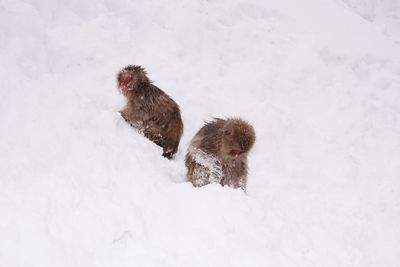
319 80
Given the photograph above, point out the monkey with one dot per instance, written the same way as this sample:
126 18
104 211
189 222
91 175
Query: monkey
150 110
218 153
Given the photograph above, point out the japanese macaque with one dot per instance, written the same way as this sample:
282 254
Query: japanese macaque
150 110
218 153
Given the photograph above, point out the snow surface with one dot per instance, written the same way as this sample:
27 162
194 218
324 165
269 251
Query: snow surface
385 14
319 80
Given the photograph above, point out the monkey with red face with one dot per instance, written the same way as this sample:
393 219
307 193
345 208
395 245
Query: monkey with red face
150 110
218 153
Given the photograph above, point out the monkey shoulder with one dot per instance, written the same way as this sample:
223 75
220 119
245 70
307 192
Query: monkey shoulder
164 103
159 95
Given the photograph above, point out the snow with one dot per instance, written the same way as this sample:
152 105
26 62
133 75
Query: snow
384 14
319 81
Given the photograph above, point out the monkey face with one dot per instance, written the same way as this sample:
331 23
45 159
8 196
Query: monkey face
238 139
130 78
124 80
231 148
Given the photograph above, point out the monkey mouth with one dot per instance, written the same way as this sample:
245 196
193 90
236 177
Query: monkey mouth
124 89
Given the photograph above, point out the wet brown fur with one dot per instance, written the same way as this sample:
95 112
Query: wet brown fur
218 139
150 109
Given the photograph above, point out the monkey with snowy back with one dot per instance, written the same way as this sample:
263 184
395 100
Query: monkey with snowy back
218 153
150 110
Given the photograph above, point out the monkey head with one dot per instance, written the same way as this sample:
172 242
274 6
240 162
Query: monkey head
131 78
238 138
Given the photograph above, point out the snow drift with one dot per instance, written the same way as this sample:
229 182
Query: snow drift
319 82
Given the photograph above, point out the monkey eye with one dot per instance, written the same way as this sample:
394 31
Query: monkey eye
235 152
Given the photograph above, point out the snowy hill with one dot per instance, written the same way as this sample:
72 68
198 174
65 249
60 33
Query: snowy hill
319 81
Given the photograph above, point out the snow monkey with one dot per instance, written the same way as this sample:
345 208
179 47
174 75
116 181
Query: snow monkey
150 110
218 153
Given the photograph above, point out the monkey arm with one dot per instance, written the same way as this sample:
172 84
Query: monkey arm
203 168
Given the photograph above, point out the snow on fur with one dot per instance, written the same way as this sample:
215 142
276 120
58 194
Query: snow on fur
318 79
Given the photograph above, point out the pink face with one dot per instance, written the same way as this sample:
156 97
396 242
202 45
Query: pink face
232 148
123 82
